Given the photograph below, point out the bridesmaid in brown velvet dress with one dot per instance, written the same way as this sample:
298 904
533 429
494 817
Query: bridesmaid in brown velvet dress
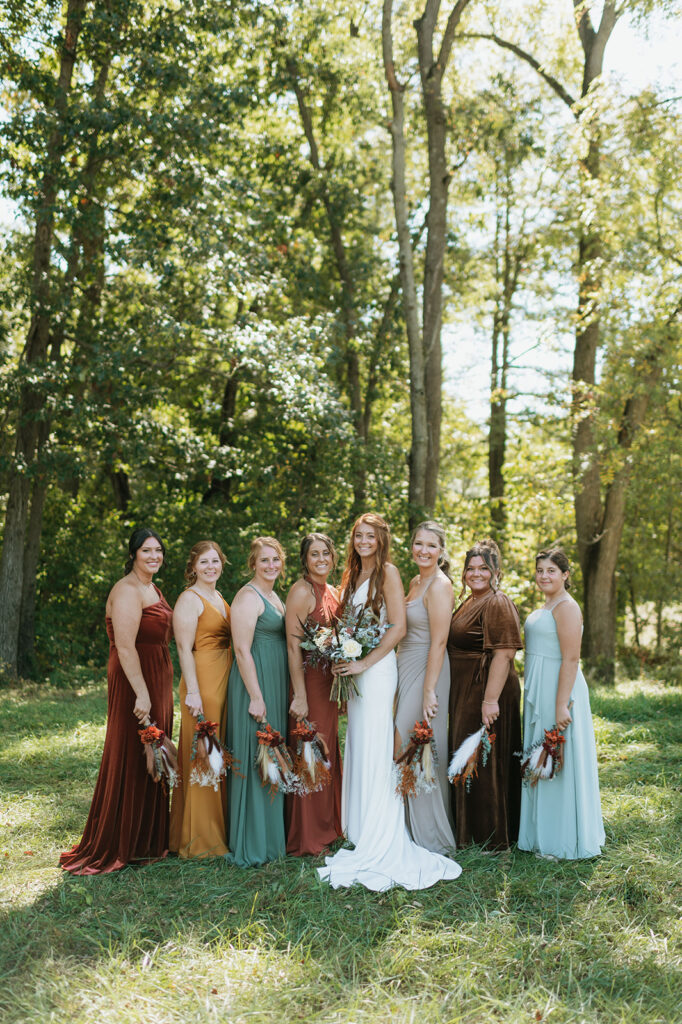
314 821
128 819
484 637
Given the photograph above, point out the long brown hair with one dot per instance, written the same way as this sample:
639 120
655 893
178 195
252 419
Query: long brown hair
375 588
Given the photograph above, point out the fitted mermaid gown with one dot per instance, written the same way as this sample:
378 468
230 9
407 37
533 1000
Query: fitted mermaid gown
560 817
371 811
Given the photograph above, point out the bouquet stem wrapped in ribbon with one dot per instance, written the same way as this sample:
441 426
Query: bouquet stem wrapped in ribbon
545 759
415 769
475 750
311 760
210 760
273 761
160 755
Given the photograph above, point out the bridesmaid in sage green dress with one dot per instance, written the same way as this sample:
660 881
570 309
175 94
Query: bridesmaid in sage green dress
257 690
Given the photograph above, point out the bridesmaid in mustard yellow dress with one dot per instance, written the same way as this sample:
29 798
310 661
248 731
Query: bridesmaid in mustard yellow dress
201 622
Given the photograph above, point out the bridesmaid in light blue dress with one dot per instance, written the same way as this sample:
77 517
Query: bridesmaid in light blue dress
560 817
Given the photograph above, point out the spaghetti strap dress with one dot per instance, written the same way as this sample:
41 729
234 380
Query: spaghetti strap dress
560 817
314 821
256 817
197 822
128 819
427 815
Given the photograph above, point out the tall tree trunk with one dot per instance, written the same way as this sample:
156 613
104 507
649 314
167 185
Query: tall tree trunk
35 352
424 340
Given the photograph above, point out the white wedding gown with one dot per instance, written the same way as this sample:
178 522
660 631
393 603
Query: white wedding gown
372 813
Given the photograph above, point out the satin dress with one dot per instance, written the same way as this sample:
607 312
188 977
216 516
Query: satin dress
197 823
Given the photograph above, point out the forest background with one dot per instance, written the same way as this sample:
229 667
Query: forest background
248 236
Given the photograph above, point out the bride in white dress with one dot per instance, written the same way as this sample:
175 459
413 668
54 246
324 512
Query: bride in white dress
372 813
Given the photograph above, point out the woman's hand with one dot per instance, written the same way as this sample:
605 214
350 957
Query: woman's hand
143 707
299 708
194 703
490 712
257 709
430 704
563 716
349 668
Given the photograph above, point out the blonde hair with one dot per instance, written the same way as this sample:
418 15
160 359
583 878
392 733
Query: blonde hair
257 544
198 549
375 588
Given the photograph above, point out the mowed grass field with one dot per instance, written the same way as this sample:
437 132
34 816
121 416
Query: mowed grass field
515 939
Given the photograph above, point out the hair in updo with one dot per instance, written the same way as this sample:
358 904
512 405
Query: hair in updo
558 556
137 539
490 553
320 538
200 548
437 529
257 544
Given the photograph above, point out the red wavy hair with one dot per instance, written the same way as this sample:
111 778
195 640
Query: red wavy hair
375 589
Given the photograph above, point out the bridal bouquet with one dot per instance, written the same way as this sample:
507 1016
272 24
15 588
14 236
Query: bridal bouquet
274 762
415 768
311 760
545 759
160 755
210 760
355 633
476 748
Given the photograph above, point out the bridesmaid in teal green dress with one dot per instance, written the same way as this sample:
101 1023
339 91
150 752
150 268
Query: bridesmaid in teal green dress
257 690
560 817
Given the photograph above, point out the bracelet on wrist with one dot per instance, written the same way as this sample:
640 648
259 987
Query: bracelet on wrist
489 702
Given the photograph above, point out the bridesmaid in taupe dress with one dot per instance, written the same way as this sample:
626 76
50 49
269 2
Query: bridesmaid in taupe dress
424 682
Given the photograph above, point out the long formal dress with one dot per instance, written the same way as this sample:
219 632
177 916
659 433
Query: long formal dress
314 821
372 812
560 817
256 817
489 812
128 819
197 822
427 815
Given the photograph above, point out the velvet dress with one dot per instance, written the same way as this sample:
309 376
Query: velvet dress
128 819
197 823
314 821
489 813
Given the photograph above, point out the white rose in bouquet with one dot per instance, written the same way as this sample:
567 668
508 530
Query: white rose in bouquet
351 649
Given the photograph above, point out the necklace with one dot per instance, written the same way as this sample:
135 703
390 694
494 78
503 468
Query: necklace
273 594
141 582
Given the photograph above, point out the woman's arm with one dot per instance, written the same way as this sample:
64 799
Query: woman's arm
394 596
569 630
126 614
438 602
300 603
497 677
186 614
246 608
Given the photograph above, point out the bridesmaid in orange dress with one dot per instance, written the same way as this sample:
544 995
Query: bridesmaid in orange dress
313 821
128 819
201 623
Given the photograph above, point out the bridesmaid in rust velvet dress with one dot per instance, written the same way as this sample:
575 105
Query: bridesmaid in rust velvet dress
484 688
314 821
128 819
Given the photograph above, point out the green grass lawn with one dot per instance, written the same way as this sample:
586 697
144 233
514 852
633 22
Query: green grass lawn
515 939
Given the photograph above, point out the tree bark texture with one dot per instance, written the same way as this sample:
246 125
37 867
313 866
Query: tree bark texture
424 340
34 354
